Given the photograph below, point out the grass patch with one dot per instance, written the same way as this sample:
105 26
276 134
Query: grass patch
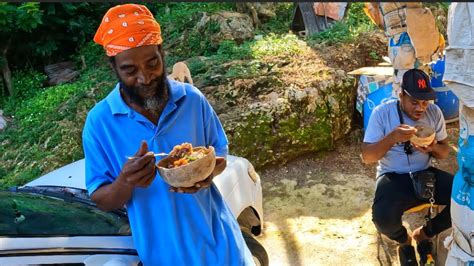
346 30
46 131
285 45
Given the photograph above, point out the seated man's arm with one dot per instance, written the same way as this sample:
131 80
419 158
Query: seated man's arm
438 149
372 152
441 149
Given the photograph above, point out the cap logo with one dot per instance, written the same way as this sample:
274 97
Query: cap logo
421 83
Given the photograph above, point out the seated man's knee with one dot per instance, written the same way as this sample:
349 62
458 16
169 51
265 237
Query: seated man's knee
386 220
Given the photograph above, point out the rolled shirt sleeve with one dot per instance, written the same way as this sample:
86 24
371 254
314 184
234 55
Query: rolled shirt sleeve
440 125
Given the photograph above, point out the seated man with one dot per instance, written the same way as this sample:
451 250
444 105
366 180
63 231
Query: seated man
386 140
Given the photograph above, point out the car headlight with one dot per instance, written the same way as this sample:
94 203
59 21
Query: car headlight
253 175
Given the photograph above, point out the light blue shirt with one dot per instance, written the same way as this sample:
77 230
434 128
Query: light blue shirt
384 119
168 228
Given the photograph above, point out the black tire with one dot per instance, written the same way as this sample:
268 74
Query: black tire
258 251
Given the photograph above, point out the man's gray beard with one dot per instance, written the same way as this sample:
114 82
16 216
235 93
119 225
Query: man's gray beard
155 105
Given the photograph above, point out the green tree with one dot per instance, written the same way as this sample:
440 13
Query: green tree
37 34
15 19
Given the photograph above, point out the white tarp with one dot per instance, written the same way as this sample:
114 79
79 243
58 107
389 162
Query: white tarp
460 28
463 92
460 66
466 125
460 52
458 77
461 241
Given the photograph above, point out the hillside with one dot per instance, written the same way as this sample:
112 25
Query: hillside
292 88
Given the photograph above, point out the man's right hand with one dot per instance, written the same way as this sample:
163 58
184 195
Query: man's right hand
403 133
372 152
139 171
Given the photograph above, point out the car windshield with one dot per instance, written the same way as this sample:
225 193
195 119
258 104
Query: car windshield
28 214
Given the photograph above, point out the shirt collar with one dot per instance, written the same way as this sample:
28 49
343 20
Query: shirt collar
118 105
177 90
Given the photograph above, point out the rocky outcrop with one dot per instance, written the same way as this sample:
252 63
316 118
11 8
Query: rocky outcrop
297 108
258 11
209 31
225 25
287 100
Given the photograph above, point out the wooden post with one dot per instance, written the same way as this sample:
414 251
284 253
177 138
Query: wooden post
6 73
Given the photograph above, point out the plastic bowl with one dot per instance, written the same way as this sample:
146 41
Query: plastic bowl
189 174
424 136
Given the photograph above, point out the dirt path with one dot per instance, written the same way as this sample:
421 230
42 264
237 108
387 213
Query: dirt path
318 209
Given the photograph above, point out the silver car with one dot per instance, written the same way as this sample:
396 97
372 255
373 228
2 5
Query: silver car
52 220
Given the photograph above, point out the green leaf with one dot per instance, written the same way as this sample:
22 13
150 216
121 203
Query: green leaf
29 16
50 9
69 7
7 12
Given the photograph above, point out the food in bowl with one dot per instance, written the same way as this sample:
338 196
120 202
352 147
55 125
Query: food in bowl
184 154
186 165
424 135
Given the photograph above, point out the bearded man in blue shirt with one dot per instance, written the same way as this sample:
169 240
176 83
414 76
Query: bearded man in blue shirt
147 112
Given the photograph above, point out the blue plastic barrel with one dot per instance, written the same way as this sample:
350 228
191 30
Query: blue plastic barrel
382 95
437 73
447 102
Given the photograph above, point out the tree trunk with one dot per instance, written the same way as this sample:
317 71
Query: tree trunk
6 73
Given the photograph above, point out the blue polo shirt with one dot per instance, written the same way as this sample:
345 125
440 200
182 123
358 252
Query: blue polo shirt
168 228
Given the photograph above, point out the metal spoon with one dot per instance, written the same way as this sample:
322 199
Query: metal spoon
154 154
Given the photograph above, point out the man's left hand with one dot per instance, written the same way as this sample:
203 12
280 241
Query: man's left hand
219 168
426 149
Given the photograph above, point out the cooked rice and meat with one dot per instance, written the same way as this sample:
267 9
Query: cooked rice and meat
184 154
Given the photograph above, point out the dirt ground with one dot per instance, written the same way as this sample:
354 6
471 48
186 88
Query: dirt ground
317 209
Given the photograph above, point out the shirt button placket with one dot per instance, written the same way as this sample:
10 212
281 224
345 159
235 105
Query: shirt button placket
156 132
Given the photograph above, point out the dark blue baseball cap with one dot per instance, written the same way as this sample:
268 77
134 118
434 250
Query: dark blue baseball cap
416 83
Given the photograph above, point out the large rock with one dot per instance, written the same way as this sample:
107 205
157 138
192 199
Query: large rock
209 31
226 25
281 105
257 11
279 115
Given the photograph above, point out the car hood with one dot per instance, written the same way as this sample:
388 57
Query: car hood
73 175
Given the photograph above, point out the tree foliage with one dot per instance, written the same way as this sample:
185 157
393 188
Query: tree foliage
36 34
43 33
19 17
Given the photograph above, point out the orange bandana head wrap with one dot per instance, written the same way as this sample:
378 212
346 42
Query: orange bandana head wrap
127 26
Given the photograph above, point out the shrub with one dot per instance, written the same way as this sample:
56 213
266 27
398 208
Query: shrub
27 84
93 55
277 45
355 22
